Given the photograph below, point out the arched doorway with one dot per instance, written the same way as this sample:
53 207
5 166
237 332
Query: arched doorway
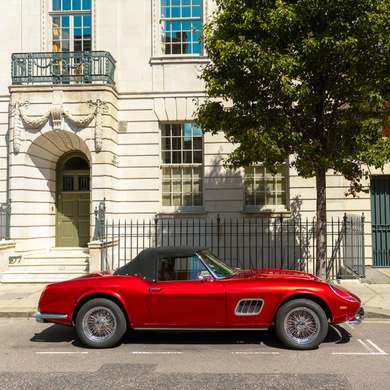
73 200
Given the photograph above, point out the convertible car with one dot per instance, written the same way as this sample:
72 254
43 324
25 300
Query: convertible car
191 289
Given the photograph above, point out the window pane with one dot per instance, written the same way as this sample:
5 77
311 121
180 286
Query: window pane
78 45
181 268
77 33
66 6
67 183
166 158
87 21
187 157
86 4
166 200
78 21
65 45
65 21
76 5
166 187
83 183
56 46
176 143
176 200
56 5
198 141
176 131
176 158
198 157
87 45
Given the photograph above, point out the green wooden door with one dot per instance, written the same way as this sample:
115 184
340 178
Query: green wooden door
380 215
73 203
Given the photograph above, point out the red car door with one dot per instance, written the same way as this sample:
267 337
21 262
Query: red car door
185 296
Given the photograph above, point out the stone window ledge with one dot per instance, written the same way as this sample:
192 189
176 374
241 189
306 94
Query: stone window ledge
179 59
186 212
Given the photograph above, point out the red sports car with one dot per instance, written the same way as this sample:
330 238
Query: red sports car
191 289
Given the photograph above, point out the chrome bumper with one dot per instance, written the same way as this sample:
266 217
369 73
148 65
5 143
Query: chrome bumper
359 317
45 317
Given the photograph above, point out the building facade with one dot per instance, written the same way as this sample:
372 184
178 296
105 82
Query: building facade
97 101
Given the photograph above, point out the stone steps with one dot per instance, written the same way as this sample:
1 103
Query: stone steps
47 266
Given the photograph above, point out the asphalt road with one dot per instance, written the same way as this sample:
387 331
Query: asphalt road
43 356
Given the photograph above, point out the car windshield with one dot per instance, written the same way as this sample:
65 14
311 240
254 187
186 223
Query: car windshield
219 269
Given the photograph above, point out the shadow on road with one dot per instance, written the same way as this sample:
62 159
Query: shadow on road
60 334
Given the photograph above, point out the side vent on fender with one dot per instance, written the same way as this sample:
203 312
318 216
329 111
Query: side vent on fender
249 307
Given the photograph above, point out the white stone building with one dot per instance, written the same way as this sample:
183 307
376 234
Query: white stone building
96 102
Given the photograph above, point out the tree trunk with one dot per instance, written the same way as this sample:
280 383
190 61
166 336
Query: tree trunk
321 223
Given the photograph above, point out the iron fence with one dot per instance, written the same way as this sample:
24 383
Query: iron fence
5 215
63 68
242 242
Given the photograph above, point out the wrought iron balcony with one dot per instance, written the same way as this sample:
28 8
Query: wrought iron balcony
96 67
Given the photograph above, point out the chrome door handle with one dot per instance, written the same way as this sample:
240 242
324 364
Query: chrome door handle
154 289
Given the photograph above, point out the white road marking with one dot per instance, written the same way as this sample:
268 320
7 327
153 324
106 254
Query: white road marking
367 347
254 353
373 350
381 351
59 353
156 353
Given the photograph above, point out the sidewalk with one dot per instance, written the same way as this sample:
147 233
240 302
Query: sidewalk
19 300
22 300
375 297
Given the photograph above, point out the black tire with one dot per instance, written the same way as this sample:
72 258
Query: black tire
105 328
299 318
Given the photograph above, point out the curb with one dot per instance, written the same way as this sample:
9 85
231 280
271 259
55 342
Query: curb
17 314
372 314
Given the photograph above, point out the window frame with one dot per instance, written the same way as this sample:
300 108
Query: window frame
278 208
157 49
71 13
172 209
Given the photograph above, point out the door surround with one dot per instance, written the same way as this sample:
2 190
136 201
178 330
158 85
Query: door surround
380 217
73 200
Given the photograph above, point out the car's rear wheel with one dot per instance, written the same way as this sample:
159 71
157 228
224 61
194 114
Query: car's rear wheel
100 323
301 324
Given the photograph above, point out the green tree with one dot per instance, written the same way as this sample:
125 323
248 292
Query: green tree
307 78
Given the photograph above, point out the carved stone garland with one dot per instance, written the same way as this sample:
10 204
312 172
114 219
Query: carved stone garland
20 120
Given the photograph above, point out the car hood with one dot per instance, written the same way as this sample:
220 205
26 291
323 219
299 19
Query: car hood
273 273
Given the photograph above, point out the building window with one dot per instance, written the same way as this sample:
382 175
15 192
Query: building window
265 189
181 26
182 165
71 25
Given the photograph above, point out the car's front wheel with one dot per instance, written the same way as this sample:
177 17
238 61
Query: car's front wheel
100 323
301 324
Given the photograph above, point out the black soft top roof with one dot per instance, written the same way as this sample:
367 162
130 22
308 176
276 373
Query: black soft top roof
145 263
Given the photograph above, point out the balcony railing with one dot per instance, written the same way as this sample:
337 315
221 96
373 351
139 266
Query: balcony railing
63 68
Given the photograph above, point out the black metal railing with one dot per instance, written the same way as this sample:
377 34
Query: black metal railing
243 242
5 216
63 68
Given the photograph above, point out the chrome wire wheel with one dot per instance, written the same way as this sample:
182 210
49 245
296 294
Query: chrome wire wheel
302 325
99 324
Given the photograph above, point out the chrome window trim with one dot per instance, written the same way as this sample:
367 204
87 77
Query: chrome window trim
249 314
208 268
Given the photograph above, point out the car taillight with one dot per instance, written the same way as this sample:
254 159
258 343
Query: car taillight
343 294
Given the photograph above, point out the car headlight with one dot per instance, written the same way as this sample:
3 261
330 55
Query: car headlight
343 294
